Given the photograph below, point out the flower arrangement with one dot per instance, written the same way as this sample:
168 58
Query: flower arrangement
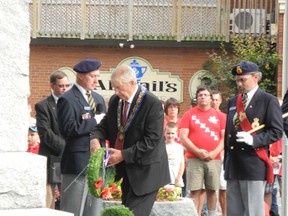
101 178
169 193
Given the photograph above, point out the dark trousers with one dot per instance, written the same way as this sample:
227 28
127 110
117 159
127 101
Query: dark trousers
140 205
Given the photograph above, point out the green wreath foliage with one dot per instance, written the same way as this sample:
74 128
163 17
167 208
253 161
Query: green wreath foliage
97 172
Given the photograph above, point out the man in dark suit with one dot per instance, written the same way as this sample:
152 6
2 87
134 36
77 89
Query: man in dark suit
284 111
246 162
137 142
51 141
77 117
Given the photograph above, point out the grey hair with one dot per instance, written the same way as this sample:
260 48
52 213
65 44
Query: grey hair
259 74
123 73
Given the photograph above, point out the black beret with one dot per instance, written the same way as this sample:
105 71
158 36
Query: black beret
244 67
87 65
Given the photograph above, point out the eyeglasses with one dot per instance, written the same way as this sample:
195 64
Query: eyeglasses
204 95
243 80
62 85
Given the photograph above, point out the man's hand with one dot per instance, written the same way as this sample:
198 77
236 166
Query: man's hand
94 145
211 155
202 154
244 137
115 157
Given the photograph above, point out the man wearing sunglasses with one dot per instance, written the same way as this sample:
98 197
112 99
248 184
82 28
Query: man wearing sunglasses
51 142
246 161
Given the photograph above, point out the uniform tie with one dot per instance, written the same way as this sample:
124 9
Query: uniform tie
237 120
91 102
124 116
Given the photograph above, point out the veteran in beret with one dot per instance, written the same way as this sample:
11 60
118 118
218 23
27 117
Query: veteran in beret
79 110
246 161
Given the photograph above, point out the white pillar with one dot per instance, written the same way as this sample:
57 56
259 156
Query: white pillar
284 206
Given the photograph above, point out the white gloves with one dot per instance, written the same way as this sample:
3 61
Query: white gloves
99 117
244 137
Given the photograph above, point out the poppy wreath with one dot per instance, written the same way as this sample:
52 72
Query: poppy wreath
101 178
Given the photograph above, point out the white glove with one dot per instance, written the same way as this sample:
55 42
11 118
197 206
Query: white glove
99 117
244 137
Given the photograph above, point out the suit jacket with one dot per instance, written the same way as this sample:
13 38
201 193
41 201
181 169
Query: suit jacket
144 151
241 161
285 110
75 127
51 141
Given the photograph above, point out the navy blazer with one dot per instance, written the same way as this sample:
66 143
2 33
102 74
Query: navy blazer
241 161
51 141
71 109
144 151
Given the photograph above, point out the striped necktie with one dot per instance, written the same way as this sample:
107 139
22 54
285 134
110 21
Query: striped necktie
237 120
91 101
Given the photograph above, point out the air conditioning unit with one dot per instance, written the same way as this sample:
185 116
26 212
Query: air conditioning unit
248 20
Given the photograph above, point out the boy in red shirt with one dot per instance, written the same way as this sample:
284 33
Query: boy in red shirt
33 140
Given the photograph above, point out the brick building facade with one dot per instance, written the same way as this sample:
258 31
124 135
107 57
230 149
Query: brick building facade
178 60
44 59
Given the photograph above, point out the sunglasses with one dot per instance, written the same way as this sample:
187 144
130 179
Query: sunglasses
243 80
62 85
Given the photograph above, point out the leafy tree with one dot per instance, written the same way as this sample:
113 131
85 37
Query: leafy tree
259 50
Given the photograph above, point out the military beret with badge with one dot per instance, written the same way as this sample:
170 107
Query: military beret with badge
244 67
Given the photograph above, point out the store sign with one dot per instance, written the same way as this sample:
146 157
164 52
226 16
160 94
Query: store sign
162 84
200 78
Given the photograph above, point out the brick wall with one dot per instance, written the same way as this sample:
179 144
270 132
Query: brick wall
46 58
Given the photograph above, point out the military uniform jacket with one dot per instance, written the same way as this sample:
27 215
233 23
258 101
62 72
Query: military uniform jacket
144 151
240 160
76 122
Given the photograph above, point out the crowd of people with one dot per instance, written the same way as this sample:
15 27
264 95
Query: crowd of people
213 155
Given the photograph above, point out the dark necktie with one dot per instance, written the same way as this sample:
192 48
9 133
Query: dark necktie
237 120
124 116
91 102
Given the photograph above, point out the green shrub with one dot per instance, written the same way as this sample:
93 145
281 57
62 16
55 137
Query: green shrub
259 50
117 210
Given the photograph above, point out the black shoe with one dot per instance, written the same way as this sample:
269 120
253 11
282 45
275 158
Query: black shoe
272 213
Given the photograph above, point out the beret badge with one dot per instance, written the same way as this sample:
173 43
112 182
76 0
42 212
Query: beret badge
239 70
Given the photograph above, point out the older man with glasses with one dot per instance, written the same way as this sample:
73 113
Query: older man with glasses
246 161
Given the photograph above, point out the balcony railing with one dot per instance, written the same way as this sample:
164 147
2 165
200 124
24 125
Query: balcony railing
180 20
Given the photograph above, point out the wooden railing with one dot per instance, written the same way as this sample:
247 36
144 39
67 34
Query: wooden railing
180 20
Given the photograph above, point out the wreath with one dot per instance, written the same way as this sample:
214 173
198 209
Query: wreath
169 193
101 179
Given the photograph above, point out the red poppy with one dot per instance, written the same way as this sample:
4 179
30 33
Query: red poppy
106 193
168 189
98 183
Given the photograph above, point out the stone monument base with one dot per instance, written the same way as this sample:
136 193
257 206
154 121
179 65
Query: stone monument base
34 212
183 207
